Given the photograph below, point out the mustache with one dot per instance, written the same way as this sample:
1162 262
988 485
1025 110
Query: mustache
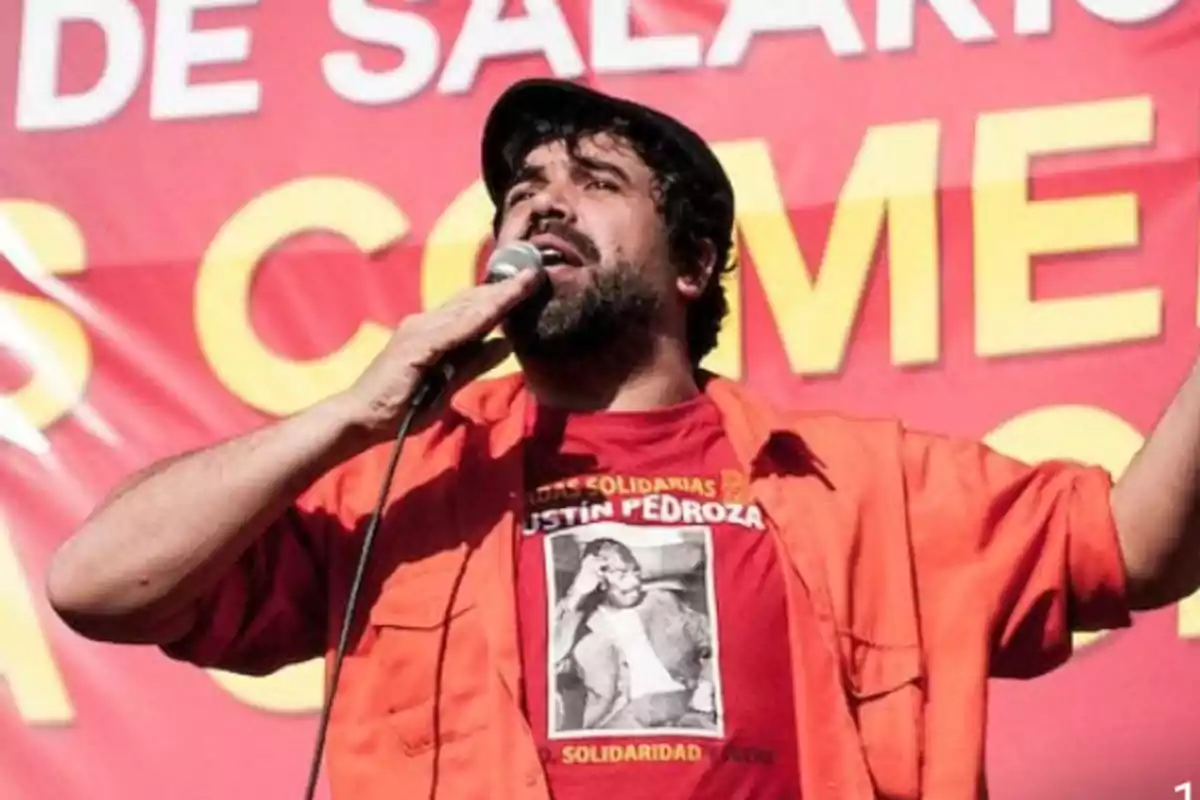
581 242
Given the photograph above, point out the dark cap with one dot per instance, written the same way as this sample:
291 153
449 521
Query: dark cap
537 101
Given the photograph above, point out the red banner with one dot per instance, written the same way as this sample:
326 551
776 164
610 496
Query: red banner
978 215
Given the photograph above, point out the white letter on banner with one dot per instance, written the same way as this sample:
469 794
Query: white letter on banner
1128 11
744 18
485 35
1032 17
178 48
39 104
895 22
410 33
615 49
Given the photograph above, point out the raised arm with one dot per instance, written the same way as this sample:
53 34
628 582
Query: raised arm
133 570
137 567
1156 505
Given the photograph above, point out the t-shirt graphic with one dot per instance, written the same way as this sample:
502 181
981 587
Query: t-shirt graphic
633 641
641 555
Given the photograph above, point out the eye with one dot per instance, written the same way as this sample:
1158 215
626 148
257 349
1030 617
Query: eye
603 184
516 196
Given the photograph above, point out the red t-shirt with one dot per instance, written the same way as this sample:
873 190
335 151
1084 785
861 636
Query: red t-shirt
653 615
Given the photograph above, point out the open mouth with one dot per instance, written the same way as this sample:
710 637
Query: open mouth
552 257
556 253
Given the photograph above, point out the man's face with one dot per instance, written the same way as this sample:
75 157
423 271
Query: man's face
622 580
594 215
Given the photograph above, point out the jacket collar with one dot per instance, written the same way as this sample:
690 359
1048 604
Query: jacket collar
751 424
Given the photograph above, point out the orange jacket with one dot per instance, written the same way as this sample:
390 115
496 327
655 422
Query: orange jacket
930 563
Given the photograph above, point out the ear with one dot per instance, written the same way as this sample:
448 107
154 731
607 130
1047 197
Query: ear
692 283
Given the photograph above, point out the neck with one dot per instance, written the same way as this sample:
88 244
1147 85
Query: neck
664 378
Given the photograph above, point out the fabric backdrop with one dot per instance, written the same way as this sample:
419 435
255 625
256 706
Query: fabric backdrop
978 215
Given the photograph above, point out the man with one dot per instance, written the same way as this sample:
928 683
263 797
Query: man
866 579
641 654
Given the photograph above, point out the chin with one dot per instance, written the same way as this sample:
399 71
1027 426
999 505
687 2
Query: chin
627 599
566 277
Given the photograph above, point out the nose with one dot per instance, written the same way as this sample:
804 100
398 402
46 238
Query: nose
552 202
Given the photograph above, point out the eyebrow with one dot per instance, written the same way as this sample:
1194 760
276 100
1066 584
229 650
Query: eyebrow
532 173
597 165
527 173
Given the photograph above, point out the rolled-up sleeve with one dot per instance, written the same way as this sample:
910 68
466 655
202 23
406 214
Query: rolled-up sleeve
271 608
1033 547
1096 568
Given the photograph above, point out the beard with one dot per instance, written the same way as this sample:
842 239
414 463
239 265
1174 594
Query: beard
610 319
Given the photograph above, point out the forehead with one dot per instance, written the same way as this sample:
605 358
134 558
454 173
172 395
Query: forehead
614 555
602 148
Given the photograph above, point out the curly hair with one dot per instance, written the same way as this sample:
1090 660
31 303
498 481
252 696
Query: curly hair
691 211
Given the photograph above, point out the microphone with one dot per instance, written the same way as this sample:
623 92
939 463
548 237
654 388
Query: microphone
506 262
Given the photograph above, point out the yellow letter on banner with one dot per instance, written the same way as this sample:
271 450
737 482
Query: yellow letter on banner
259 377
1085 434
295 689
1010 229
26 664
448 265
47 337
1189 616
893 180
451 256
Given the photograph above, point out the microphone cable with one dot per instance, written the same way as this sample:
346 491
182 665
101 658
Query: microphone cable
427 393
505 263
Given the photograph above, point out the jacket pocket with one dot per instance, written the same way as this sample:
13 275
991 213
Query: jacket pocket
423 675
887 698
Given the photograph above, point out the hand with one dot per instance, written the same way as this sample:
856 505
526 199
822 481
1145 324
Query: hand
380 397
587 580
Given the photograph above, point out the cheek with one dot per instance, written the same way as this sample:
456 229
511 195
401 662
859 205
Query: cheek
651 240
626 232
511 227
